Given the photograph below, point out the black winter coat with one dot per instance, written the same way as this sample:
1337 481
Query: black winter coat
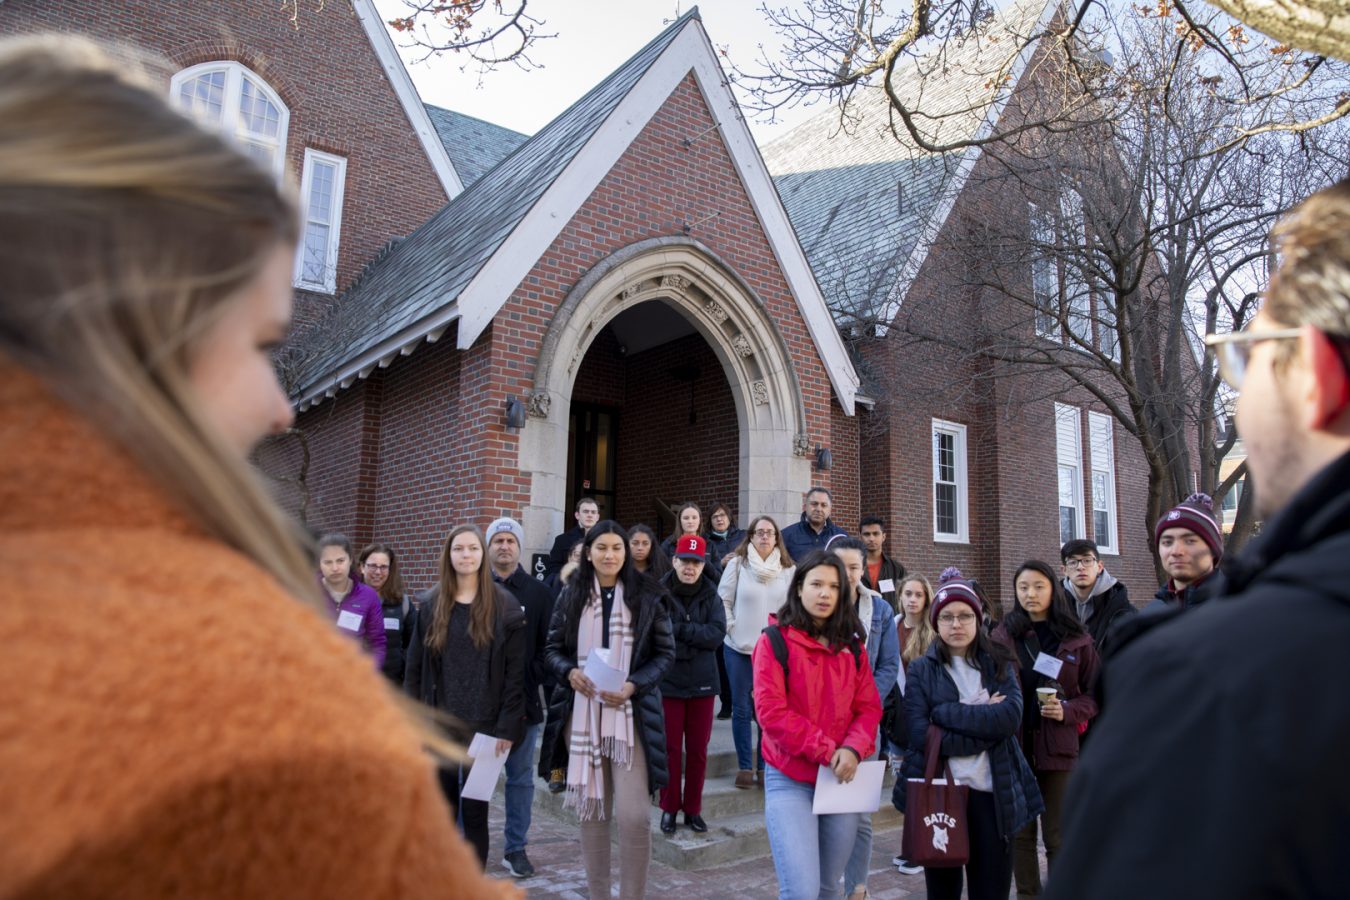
428 672
699 624
891 574
537 602
1108 609
931 697
653 653
1227 725
720 548
562 545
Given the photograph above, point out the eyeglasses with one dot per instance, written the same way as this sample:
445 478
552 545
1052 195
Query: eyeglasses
765 532
1080 563
961 619
376 568
1232 351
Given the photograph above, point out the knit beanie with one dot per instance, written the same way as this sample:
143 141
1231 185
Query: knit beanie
1195 513
953 588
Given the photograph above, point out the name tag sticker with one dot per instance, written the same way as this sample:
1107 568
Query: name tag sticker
1048 665
349 621
391 624
885 586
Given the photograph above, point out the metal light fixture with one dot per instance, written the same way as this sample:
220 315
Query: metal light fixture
824 458
515 414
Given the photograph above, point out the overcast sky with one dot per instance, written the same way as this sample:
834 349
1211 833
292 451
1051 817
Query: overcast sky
594 38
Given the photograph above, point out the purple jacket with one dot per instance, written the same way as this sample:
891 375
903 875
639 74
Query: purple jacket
360 613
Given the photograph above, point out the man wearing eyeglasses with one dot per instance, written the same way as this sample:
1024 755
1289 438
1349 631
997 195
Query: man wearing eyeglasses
1099 598
1217 768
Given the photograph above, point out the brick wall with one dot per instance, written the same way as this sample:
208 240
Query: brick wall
325 71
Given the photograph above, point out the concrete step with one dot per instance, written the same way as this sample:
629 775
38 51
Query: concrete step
736 828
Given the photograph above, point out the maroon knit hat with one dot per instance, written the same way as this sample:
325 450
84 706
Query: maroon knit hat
1195 513
952 588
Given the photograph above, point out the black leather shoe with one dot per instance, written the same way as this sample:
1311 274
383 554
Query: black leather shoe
668 823
695 823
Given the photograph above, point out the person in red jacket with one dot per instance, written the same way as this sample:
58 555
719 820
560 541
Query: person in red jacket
1054 652
820 709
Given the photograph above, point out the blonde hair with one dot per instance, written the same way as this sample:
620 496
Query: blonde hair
923 634
125 231
1312 284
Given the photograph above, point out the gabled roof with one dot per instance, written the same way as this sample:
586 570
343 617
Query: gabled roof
867 204
383 45
474 146
462 264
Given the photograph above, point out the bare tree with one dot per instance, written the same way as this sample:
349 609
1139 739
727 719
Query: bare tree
1126 239
487 33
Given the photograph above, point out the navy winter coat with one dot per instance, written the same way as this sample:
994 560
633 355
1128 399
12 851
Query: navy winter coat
931 697
800 538
699 624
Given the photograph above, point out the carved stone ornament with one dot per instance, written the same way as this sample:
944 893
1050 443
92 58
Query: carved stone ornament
716 312
760 391
801 445
633 289
539 404
741 344
679 282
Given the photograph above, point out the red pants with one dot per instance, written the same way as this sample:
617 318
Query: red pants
688 722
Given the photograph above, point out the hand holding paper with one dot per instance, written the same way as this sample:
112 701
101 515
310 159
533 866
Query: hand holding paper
487 766
861 795
604 676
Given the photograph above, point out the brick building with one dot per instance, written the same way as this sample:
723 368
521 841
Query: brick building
493 324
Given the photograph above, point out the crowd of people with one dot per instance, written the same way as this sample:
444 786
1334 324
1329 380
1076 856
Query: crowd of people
240 740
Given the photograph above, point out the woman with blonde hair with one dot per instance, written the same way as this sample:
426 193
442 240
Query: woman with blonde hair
911 625
467 658
753 587
146 267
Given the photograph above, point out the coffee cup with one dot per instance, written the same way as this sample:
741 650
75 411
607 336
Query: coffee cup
1045 695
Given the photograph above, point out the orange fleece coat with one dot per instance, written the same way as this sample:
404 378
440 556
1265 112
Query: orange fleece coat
172 724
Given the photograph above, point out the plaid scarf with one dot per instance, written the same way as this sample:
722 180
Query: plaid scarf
599 731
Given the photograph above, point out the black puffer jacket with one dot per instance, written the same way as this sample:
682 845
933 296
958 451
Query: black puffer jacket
699 624
653 653
1226 724
720 547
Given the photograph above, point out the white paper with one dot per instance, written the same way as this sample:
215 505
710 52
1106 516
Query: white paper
391 624
885 586
487 767
861 795
604 676
1048 665
349 621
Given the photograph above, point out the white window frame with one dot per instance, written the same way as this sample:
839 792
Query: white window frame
1102 442
235 75
958 435
1077 290
1044 267
329 283
1069 443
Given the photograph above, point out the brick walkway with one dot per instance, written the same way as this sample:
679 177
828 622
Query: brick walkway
554 852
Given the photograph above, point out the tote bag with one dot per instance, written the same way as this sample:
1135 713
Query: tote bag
936 834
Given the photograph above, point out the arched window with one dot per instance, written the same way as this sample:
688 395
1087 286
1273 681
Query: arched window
233 97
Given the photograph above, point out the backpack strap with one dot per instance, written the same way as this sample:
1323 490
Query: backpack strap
780 648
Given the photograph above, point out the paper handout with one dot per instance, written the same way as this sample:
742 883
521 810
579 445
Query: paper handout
487 766
604 676
861 795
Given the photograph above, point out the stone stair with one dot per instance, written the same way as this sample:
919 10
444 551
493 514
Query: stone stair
735 817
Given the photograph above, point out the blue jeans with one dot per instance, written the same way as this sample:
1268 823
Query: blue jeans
809 851
860 860
739 673
520 790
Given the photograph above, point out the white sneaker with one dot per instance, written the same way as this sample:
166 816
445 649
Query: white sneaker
906 867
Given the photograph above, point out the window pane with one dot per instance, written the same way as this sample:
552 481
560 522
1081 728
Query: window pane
944 497
1099 495
205 95
1101 528
257 114
946 457
321 193
1067 520
1067 476
315 254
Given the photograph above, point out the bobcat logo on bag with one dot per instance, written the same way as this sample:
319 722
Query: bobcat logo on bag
939 831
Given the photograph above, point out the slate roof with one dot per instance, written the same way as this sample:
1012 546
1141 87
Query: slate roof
865 203
423 275
474 146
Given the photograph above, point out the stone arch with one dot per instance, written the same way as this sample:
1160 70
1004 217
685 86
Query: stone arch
771 415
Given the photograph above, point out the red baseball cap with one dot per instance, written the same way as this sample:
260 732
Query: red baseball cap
690 546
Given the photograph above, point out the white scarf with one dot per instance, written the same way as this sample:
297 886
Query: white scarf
767 569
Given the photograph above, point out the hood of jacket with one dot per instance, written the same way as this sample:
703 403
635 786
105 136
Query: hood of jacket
1105 582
